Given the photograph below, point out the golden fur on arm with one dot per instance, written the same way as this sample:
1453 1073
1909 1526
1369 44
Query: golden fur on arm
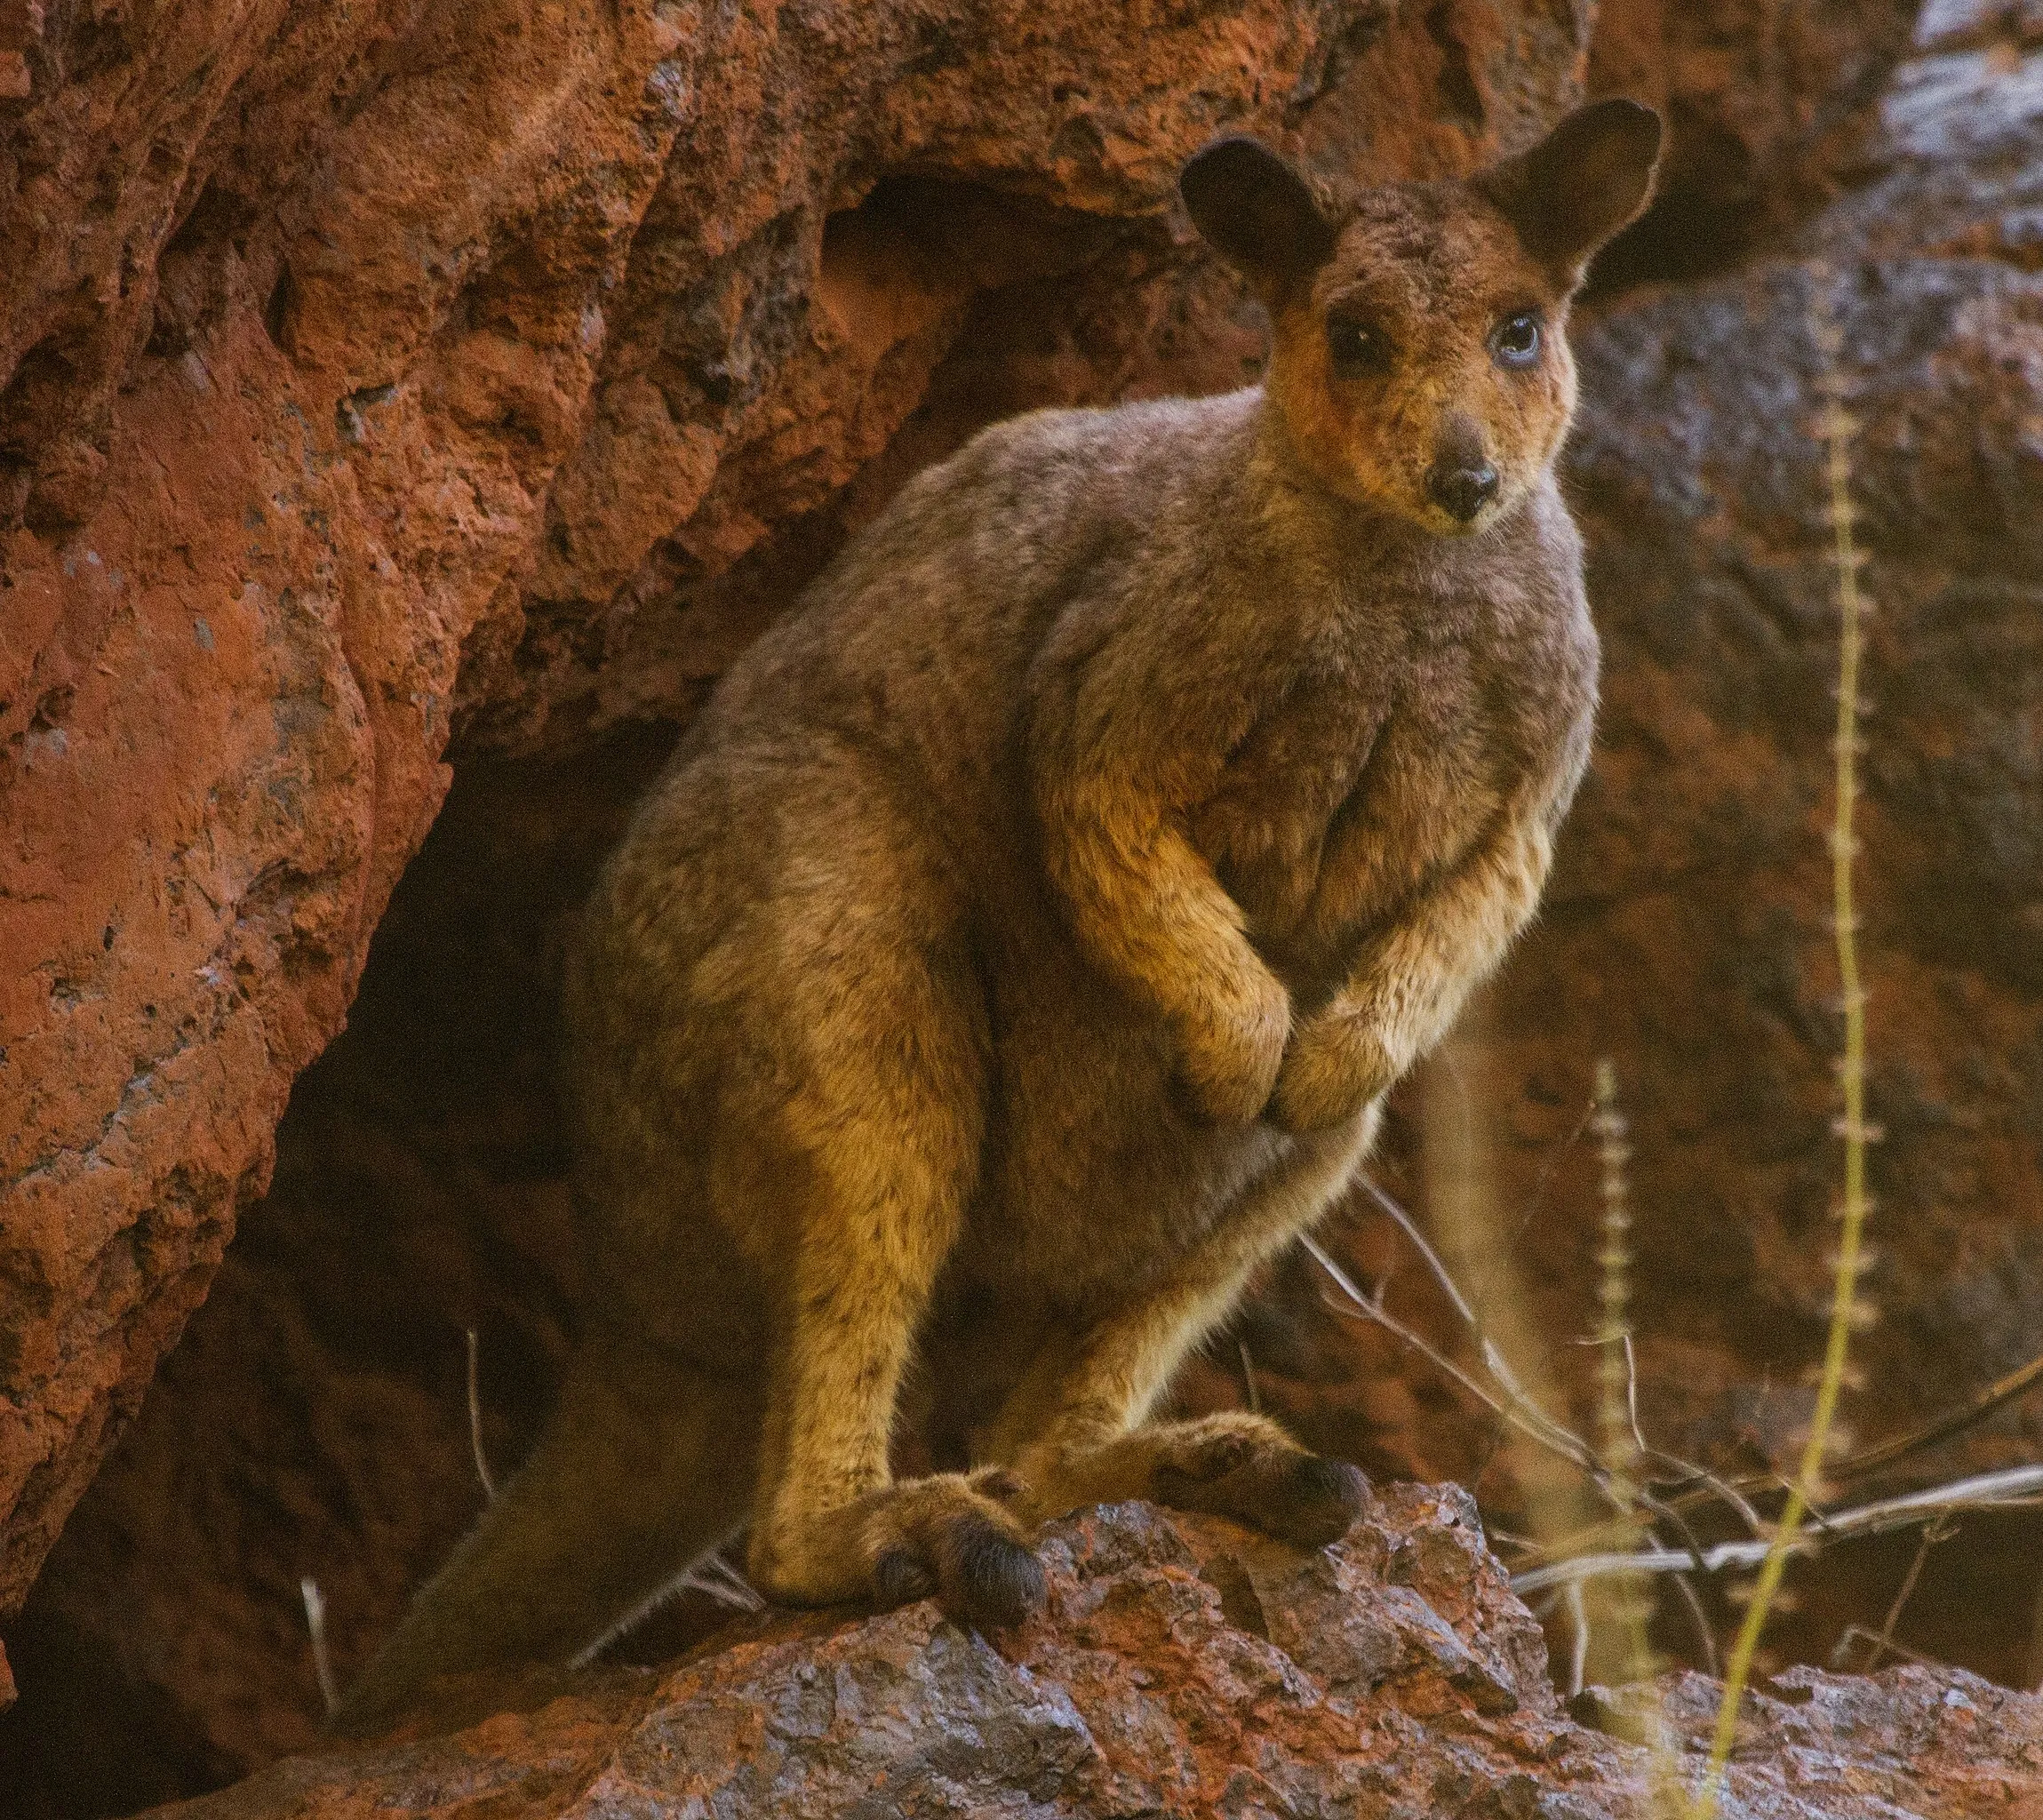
1411 981
1116 762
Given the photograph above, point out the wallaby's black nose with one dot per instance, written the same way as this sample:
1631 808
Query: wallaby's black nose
1460 488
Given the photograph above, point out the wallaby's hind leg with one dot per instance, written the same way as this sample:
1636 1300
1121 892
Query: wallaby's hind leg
876 1140
878 1208
646 1465
1075 1431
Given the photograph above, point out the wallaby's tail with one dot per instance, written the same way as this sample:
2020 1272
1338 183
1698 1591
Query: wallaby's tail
646 1465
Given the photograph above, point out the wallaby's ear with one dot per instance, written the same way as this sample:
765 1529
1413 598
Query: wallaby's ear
1580 184
1255 211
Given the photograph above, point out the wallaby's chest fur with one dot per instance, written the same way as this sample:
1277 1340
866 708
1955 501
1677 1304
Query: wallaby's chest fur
1440 680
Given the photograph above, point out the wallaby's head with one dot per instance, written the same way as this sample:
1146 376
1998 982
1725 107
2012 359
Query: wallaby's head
1420 361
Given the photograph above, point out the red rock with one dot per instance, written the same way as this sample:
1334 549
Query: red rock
233 616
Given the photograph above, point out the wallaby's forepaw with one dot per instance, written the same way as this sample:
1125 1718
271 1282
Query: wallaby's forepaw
1246 1467
1232 1054
951 1538
1335 1066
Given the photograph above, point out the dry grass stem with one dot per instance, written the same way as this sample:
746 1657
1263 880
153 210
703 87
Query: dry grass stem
1837 430
475 1420
2001 1390
322 1661
2012 1488
1618 1444
1627 1605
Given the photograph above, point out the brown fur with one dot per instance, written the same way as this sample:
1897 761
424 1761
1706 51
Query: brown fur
1015 953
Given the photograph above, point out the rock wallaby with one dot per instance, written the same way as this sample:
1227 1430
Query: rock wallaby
1016 950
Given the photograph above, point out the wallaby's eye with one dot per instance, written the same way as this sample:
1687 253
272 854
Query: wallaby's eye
1514 342
1358 346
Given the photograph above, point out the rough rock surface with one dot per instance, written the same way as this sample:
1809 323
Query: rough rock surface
1770 110
1183 1666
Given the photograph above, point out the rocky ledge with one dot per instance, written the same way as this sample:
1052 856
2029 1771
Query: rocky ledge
1184 1666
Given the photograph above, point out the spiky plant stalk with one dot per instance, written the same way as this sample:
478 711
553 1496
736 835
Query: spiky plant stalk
1628 1603
1837 429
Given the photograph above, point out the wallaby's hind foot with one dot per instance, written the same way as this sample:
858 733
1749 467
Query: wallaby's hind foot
1284 1490
645 1466
946 1537
1232 1464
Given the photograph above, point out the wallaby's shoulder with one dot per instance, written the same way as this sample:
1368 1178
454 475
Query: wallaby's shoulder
1061 468
978 555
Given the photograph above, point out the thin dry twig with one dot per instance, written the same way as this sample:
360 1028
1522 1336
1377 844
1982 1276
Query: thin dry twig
322 1662
1858 1634
1371 1308
1544 1178
1508 1538
1248 1377
1528 1415
1883 1643
1511 1403
1692 1488
1631 1395
1699 1624
1578 1640
2015 1487
475 1420
1571 1560
1694 1484
1408 1226
1942 1530
2002 1391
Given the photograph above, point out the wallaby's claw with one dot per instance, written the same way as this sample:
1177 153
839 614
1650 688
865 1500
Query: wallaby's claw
949 1538
986 1578
898 1578
1318 1501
